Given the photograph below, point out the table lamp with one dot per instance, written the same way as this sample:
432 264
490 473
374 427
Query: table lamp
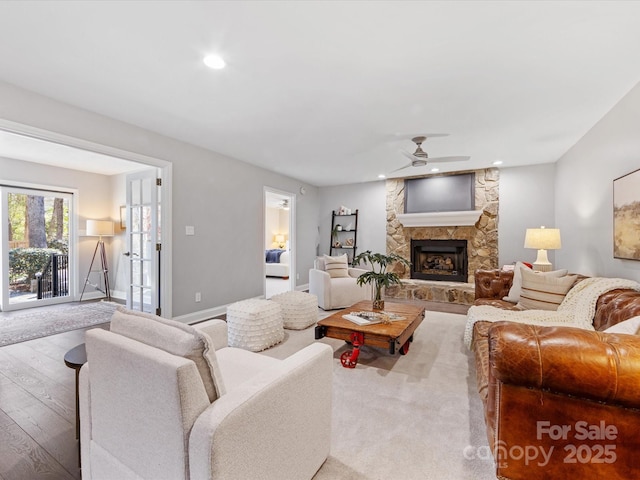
280 240
542 239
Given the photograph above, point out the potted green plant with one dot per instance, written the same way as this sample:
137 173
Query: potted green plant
378 276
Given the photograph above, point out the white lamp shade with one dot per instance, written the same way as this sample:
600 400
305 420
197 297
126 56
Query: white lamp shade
543 238
100 228
280 238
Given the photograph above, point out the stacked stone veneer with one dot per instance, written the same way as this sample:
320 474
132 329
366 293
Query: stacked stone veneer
482 240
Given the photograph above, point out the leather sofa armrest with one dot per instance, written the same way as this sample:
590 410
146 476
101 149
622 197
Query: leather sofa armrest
492 284
572 361
616 306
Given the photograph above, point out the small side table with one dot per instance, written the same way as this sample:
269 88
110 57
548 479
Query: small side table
76 358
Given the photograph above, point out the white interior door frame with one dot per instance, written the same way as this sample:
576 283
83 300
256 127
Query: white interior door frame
292 234
167 185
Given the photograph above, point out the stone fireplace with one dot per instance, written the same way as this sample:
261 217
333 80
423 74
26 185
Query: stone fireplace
440 260
478 228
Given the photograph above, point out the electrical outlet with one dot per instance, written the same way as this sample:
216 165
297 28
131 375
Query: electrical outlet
297 276
198 297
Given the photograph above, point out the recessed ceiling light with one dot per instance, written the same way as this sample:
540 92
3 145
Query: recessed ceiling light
382 175
434 169
498 162
214 61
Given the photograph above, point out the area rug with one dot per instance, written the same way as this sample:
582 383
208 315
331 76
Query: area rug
416 417
31 323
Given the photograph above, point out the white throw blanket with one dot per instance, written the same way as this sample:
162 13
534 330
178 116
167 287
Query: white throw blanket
576 310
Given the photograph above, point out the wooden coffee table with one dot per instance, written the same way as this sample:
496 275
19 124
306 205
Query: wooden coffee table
395 336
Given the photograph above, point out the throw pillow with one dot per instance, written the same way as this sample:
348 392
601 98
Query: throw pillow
543 292
173 337
516 284
337 267
629 326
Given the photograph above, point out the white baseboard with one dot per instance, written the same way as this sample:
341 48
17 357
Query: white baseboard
210 313
202 315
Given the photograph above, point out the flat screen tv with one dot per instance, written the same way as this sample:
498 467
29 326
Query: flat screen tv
442 193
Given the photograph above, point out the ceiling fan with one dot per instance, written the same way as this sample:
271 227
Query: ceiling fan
420 158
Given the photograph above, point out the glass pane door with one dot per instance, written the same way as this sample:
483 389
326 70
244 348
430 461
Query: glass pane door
143 241
36 260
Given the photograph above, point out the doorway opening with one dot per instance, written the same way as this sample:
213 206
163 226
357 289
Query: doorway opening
31 144
279 242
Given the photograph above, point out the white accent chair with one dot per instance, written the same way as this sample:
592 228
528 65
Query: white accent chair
146 407
336 293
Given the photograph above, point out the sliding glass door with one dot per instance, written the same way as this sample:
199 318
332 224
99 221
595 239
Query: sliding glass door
36 256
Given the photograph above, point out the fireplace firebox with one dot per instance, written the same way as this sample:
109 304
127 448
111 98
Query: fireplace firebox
443 260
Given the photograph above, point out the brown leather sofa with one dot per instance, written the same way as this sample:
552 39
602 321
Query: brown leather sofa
559 402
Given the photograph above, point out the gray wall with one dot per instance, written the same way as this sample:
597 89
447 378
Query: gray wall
518 212
220 196
527 200
584 191
370 200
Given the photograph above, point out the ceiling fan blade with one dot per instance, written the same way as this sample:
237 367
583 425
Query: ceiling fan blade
448 159
410 156
404 136
431 135
401 168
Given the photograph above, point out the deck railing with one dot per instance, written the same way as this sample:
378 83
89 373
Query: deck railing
53 281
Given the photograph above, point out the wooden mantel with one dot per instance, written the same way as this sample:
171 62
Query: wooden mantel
439 219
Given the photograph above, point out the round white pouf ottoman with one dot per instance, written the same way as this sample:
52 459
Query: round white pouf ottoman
254 324
299 309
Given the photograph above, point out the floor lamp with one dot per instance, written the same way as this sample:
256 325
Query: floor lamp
99 228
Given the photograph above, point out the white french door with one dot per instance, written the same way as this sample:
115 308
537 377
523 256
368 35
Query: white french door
37 261
143 242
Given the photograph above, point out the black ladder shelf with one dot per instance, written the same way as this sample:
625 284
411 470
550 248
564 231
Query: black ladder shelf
342 240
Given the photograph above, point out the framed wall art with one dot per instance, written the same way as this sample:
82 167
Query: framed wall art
626 216
123 217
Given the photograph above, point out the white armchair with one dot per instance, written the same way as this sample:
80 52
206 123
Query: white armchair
336 293
146 407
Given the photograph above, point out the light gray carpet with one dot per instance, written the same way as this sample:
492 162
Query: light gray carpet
31 323
405 417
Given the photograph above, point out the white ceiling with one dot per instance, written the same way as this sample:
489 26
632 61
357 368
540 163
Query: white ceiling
327 92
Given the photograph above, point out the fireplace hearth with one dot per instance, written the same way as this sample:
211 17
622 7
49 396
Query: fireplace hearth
440 260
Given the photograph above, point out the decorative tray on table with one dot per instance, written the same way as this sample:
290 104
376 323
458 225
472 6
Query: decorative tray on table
371 318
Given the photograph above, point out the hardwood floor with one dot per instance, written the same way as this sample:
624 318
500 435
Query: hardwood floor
37 409
37 406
